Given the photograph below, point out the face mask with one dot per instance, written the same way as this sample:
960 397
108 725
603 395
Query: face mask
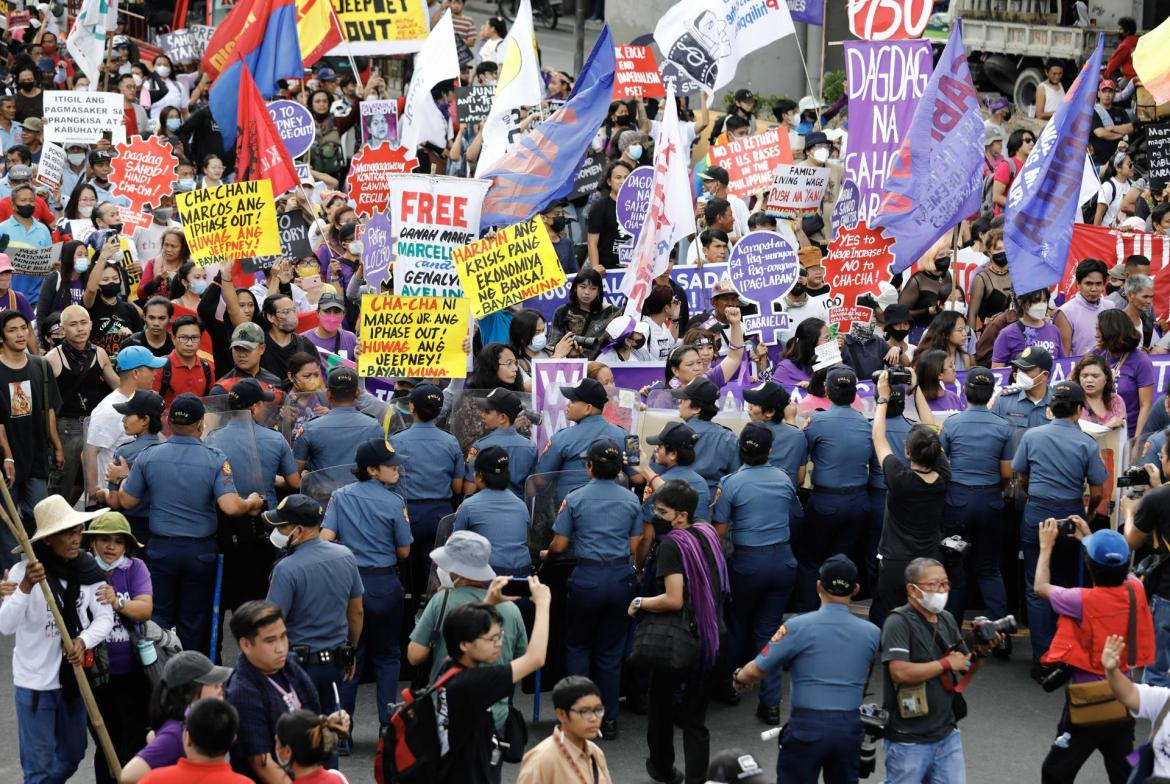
25 210
137 80
86 211
116 228
1038 311
958 307
186 184
162 71
27 85
163 213
624 120
75 158
661 525
820 155
635 151
792 120
81 266
539 341
1024 381
444 578
279 540
558 225
173 123
330 321
199 285
933 602
111 566
999 259
942 265
110 289
288 324
897 334
355 248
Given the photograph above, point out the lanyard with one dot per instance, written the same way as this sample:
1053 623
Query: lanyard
560 736
289 696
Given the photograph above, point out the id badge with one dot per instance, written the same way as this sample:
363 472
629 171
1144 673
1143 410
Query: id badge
912 701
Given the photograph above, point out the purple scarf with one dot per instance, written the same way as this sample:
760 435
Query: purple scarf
699 584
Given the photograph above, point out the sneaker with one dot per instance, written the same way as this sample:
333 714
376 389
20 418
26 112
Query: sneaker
769 714
609 729
674 777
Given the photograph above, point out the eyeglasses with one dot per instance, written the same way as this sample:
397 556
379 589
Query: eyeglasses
589 713
1029 140
508 363
494 639
188 338
936 587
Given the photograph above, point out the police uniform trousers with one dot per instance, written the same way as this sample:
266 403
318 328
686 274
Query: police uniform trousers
599 623
833 524
976 514
820 740
425 514
762 579
379 642
182 572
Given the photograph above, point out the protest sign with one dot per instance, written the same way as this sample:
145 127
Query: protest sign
379 122
380 27
432 217
751 161
368 183
637 74
295 125
858 259
377 249
588 176
695 281
51 165
412 337
27 260
1158 152
807 11
504 270
763 268
887 20
143 170
885 82
294 234
235 221
548 376
81 116
131 268
845 210
133 220
186 45
797 190
633 201
473 103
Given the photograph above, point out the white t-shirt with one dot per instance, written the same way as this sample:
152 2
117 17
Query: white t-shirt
658 344
1152 700
688 131
740 210
1111 194
106 433
814 307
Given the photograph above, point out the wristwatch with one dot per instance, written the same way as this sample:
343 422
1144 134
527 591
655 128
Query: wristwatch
121 603
637 602
880 400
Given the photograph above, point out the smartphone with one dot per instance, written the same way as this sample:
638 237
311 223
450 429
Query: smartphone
633 450
516 586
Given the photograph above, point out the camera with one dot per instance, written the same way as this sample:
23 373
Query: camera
1134 477
584 342
954 545
899 374
984 630
874 720
1065 526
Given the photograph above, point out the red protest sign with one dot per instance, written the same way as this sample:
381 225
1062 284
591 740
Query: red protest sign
888 20
144 170
368 184
636 74
751 161
858 259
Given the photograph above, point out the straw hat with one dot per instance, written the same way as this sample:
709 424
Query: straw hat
54 515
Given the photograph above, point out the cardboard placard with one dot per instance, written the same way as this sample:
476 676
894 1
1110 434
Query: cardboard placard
379 122
417 337
1158 152
235 221
143 170
133 220
517 263
473 103
378 27
368 183
186 45
858 260
377 249
636 75
751 161
27 260
294 234
797 190
295 125
81 116
51 165
588 176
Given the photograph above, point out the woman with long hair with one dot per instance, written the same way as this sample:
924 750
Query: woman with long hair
934 369
796 366
161 89
929 287
1133 373
306 399
492 35
1115 183
1103 406
1032 327
991 288
585 314
239 305
949 333
63 286
174 253
528 340
306 742
188 286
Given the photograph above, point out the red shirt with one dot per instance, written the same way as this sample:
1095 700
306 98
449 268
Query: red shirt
41 211
131 118
195 380
187 772
1122 59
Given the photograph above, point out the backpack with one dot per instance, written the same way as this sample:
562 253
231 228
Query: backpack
1089 211
987 204
408 748
164 385
326 155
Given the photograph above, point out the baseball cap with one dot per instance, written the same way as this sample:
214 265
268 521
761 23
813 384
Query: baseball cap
343 379
33 124
377 452
326 74
1068 391
193 667
247 335
504 401
716 173
1033 357
768 396
700 390
133 357
20 173
735 766
838 575
725 286
121 40
1106 547
246 393
330 299
295 509
979 377
755 439
604 449
143 403
841 377
896 314
100 156
587 390
674 435
744 94
186 409
6 266
1107 84
492 461
465 553
427 397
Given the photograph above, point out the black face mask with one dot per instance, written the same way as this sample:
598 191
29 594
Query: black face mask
897 334
942 265
116 228
999 259
26 86
110 289
25 210
624 120
661 525
558 224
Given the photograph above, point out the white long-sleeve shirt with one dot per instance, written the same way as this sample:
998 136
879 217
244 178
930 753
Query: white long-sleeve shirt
36 658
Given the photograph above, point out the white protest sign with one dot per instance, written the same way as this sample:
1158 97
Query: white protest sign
51 165
33 261
797 190
81 116
432 216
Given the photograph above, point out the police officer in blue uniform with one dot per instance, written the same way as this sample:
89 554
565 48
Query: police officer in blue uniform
500 409
828 654
566 450
495 513
369 518
840 445
1025 403
603 522
318 587
897 428
185 481
141 418
1054 462
978 444
674 454
751 506
769 404
716 451
331 439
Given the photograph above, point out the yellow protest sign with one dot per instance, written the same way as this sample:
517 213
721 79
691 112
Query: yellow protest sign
380 27
236 221
419 337
518 263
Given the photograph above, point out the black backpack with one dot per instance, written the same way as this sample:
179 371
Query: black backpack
408 749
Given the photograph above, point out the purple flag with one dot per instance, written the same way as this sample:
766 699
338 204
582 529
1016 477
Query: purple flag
808 11
1044 199
936 178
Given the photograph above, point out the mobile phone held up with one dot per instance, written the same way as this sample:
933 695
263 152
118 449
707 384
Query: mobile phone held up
516 586
633 450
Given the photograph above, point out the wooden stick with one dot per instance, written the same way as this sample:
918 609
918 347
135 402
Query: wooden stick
12 520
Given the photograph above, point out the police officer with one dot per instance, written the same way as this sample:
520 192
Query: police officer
566 451
716 451
752 506
495 513
603 521
674 454
769 405
186 481
500 409
1053 463
370 519
840 446
897 428
318 587
978 444
1025 403
331 439
828 654
142 419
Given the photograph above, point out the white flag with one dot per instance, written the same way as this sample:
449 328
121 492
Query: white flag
437 61
671 215
87 40
703 40
519 84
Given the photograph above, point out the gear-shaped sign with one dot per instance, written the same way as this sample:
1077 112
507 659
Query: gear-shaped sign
858 260
144 170
368 183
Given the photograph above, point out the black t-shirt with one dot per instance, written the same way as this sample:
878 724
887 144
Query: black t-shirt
603 221
275 358
908 636
1103 149
465 722
1151 514
823 290
22 399
913 521
108 320
668 561
139 339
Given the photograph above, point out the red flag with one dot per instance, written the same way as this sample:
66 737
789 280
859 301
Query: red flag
260 152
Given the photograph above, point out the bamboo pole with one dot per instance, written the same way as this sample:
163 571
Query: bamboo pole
12 520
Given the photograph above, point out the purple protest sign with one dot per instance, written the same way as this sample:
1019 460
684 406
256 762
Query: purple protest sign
377 249
763 267
886 79
807 11
548 376
295 125
633 200
845 211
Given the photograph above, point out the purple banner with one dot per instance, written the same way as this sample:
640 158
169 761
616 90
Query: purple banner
295 125
548 376
885 79
377 249
807 11
633 199
695 281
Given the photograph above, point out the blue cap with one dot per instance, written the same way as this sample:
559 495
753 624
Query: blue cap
1106 547
133 357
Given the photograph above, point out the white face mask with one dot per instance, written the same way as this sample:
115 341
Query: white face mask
958 307
109 567
85 211
820 155
279 540
76 158
163 71
444 578
933 602
137 79
1024 381
1038 311
539 341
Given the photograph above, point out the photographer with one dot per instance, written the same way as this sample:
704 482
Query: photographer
1147 532
1115 605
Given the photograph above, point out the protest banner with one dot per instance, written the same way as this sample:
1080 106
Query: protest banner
133 220
807 11
588 176
235 221
379 122
472 103
143 170
51 165
368 183
888 20
379 27
548 376
432 216
858 259
27 260
377 249
763 267
797 190
845 211
81 116
751 161
1158 152
294 234
695 281
187 44
633 201
885 82
637 74
412 337
131 267
295 125
18 23
517 263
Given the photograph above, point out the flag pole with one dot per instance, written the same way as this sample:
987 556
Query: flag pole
804 67
357 77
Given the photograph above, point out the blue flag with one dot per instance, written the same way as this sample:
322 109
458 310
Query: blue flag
936 177
543 164
1044 199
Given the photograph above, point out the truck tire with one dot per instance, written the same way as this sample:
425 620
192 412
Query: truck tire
1024 93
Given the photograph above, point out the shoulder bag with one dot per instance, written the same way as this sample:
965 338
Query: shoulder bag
1093 704
667 641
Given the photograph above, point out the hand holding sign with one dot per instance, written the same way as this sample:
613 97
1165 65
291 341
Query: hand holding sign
143 170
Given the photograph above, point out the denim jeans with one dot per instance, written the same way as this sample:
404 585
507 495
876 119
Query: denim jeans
595 641
25 495
51 731
1158 673
1065 555
940 762
762 579
382 605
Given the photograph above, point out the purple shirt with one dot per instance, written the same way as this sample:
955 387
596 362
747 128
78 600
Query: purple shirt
947 401
1015 337
343 343
788 375
1131 373
167 746
1082 317
21 303
129 580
